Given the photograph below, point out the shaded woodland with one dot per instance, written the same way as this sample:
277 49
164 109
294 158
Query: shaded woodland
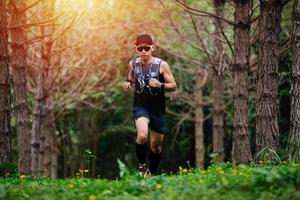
62 63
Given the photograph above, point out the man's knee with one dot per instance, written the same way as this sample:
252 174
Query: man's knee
141 138
156 148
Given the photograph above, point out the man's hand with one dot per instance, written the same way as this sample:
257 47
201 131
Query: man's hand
155 83
126 85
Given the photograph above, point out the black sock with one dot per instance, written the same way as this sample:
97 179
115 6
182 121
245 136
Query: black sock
154 160
141 152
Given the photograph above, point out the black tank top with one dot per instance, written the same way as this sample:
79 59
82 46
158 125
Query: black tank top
152 99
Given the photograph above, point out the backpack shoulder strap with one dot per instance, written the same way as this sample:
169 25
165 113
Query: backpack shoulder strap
133 61
156 63
136 60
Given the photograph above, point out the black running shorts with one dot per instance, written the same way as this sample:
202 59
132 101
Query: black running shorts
157 120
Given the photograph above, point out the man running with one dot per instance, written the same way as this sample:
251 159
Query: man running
150 77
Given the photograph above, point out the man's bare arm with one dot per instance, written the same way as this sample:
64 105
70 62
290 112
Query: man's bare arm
170 83
130 79
130 74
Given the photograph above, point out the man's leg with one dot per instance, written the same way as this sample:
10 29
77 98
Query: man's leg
156 140
141 142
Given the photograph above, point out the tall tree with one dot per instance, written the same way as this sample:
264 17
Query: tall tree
241 153
18 57
51 149
199 133
43 121
294 137
5 132
48 148
267 130
218 84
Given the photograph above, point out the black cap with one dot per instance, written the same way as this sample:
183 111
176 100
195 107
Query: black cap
144 38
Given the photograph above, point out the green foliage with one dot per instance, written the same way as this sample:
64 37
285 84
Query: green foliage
124 171
2 191
8 169
224 182
268 155
88 157
117 142
296 156
297 146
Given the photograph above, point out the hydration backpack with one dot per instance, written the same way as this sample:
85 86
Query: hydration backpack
142 79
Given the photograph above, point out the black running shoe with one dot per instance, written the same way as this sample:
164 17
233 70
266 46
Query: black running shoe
143 171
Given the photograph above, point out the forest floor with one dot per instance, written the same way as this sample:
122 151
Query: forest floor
218 182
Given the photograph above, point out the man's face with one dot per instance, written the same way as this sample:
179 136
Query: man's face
144 50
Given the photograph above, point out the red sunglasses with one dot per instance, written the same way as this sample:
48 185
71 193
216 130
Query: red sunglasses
141 48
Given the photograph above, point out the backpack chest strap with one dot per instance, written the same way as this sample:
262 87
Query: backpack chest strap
153 69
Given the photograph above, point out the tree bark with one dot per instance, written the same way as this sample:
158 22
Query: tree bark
18 57
39 115
93 161
199 133
5 130
241 152
267 129
71 162
43 129
51 146
63 133
218 86
294 137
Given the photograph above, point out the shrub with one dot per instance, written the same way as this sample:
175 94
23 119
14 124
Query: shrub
8 169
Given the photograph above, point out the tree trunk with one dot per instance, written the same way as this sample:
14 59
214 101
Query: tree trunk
294 137
63 134
5 131
199 134
18 56
69 164
39 115
72 162
218 86
42 128
48 141
93 161
51 146
267 130
241 152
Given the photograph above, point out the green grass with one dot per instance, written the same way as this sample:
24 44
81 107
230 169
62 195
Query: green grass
223 182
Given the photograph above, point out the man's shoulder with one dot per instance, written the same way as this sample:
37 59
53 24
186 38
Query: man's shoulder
164 63
135 59
156 61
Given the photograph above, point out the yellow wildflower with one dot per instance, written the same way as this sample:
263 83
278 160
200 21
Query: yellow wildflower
220 170
22 177
15 190
71 185
92 197
185 170
180 168
158 186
